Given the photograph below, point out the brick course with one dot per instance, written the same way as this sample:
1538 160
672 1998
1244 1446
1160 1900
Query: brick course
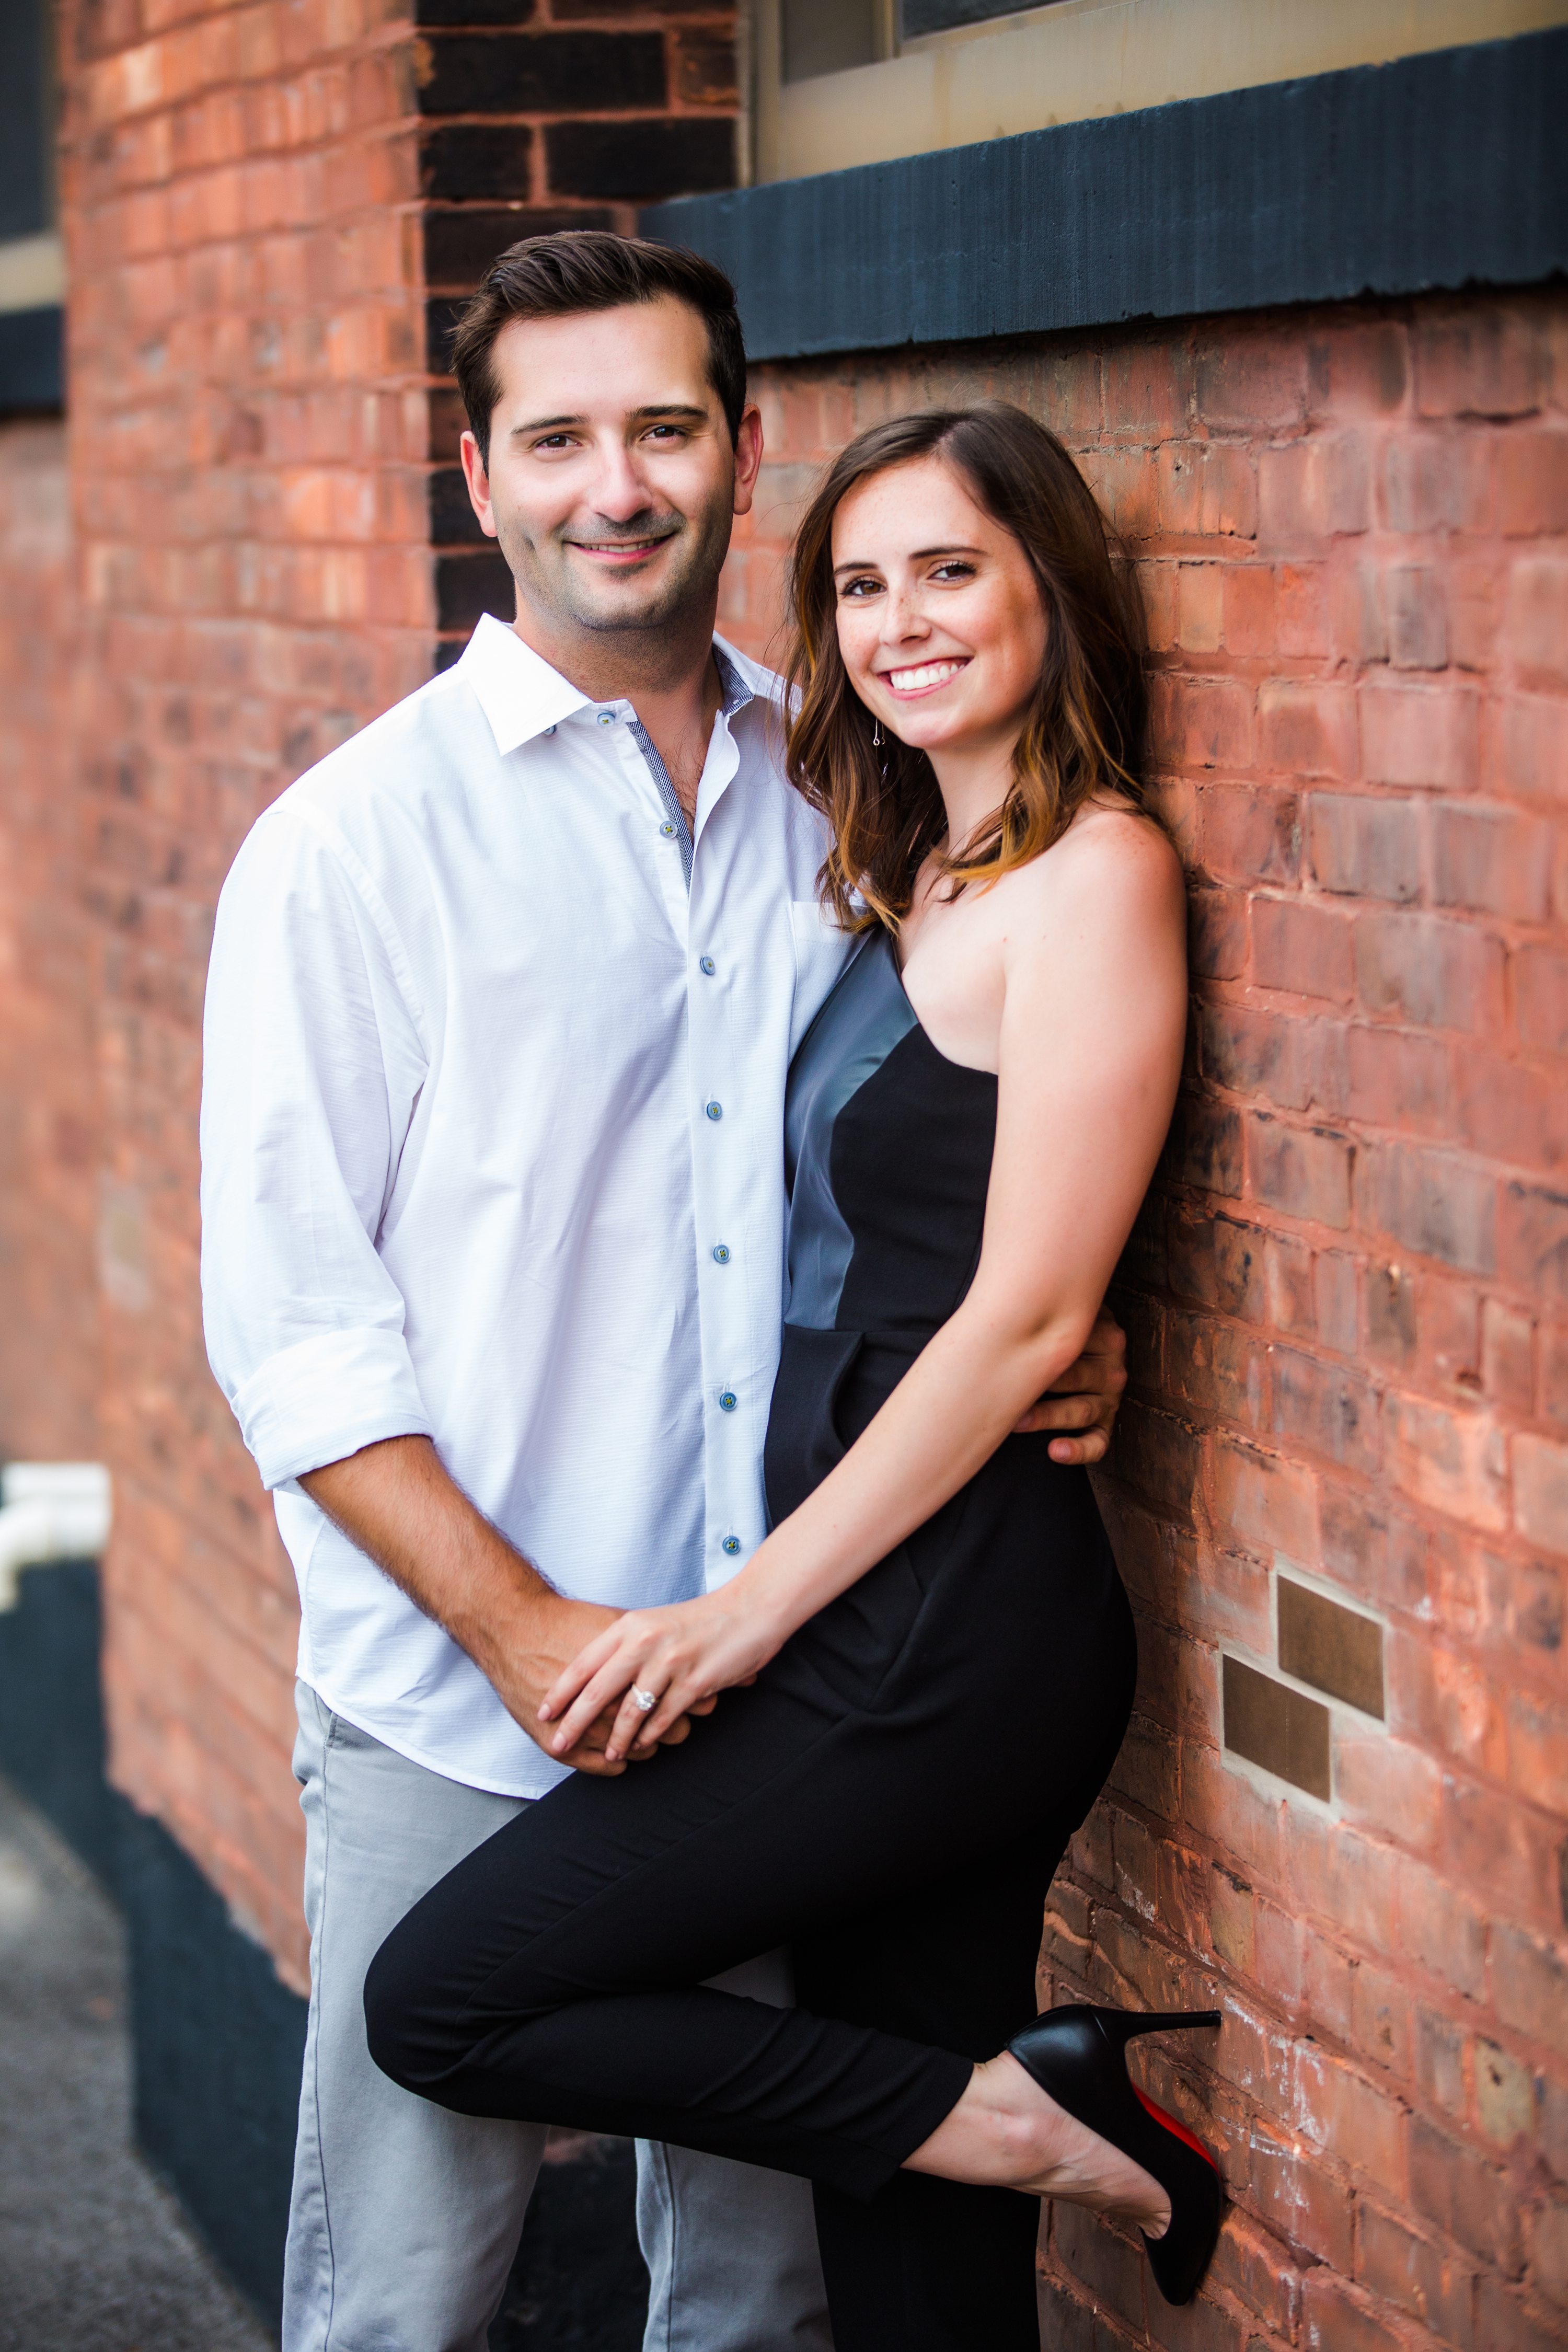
1345 1299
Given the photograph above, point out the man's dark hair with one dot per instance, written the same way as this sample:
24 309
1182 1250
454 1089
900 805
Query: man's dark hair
592 269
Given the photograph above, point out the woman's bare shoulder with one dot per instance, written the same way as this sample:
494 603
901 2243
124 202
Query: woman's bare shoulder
1110 858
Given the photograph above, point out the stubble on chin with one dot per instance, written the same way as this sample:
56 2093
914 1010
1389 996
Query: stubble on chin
551 579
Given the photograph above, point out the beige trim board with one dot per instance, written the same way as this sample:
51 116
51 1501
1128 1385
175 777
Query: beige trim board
1082 59
32 272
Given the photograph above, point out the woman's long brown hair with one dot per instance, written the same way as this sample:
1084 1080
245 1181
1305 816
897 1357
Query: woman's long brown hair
1085 732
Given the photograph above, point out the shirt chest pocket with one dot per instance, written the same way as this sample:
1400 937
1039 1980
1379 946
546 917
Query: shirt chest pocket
821 950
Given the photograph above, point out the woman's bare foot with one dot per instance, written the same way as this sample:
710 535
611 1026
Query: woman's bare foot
1006 2132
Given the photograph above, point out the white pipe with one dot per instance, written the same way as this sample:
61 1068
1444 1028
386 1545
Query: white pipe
49 1510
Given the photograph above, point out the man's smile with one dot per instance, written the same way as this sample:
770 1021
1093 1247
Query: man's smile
621 552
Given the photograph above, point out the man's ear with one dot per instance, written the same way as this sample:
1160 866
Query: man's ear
748 457
477 475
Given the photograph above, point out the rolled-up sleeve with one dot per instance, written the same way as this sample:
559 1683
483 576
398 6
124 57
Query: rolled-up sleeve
313 1063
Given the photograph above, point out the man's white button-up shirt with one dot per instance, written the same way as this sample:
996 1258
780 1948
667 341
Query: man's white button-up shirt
491 1151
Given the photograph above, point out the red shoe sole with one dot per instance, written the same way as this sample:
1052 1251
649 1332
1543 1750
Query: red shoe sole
1171 2124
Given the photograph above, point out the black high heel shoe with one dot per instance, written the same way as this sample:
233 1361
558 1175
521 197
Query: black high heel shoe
1079 2054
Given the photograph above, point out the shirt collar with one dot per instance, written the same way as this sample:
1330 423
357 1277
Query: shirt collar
518 692
742 679
522 696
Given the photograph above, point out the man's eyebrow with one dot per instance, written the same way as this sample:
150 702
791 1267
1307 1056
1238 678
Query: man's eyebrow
918 555
657 409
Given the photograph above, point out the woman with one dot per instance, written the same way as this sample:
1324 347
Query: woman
936 1650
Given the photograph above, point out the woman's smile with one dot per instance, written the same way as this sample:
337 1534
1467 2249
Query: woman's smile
923 677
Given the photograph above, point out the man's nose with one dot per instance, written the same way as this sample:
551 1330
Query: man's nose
617 493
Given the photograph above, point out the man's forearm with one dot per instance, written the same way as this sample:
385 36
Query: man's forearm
396 1503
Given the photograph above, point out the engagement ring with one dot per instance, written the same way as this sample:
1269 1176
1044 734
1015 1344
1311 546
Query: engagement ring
647 1700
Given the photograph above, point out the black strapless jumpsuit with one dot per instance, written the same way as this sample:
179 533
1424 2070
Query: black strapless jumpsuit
889 1800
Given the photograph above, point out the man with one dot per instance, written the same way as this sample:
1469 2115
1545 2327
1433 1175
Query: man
502 998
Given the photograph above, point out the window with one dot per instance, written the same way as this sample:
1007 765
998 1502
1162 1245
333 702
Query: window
918 16
824 36
841 82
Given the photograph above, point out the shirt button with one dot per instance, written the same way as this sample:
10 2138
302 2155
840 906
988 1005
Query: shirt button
721 1252
667 829
727 1402
606 717
731 1544
550 731
706 964
714 1110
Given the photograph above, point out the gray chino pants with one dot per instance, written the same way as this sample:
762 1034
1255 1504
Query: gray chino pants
405 2218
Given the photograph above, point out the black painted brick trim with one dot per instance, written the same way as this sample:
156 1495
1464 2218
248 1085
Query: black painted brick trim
453 522
32 359
1436 171
440 318
631 160
52 1741
459 246
464 159
219 2046
528 73
506 14
470 584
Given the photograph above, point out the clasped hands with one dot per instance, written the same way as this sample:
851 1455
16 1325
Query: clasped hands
686 1652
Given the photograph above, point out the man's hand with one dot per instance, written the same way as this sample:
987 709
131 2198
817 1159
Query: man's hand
1086 1397
557 1631
397 1504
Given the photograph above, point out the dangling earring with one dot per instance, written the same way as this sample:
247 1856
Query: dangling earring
877 733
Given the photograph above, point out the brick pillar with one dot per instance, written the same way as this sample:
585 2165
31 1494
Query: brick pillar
251 200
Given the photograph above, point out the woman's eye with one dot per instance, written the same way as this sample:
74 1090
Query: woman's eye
953 570
860 588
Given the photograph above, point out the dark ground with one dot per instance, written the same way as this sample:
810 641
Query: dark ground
95 2256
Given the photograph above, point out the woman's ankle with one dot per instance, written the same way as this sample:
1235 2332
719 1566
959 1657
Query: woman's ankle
1006 2132
990 2139
1074 2163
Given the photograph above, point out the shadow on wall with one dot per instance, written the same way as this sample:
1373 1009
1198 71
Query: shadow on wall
219 2042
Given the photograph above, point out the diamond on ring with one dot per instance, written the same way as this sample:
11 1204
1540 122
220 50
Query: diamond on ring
645 1700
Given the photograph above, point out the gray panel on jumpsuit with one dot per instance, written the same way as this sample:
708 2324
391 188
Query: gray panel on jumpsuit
865 1016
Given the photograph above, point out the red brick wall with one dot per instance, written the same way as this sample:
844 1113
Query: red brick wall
49 1368
1347 1300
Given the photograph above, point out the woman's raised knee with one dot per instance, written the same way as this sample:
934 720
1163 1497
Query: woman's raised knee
409 2025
